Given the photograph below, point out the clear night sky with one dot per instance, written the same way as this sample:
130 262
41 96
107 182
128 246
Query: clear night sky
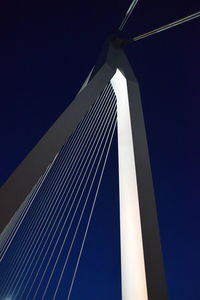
47 50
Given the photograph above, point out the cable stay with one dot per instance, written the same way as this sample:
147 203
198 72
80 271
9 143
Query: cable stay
165 27
128 14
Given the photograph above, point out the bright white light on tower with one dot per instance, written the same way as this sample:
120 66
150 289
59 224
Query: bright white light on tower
132 257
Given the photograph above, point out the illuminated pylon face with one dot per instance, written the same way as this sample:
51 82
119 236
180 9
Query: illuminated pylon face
132 257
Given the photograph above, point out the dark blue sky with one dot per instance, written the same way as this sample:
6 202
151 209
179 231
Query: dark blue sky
47 50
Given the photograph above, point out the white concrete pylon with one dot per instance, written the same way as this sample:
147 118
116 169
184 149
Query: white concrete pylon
132 257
